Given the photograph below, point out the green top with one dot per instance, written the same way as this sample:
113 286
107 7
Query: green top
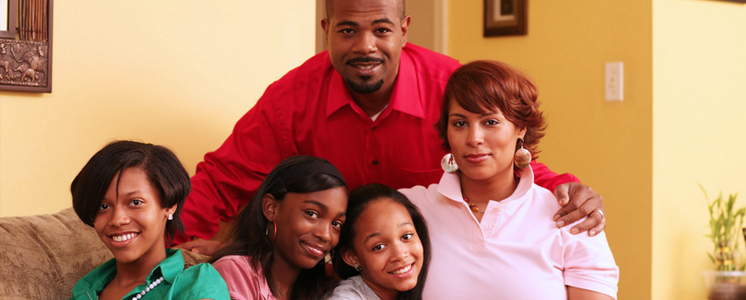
201 281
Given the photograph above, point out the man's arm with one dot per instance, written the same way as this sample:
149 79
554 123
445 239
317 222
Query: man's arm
229 176
574 293
209 247
549 180
577 200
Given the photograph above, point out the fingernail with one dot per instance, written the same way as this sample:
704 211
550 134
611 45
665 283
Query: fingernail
561 223
592 232
574 231
195 251
556 217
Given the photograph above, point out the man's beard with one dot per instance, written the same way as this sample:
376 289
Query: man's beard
364 87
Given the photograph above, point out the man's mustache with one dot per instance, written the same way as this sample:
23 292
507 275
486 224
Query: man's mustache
364 59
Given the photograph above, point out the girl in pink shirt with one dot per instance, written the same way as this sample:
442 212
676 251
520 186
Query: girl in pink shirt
384 248
278 245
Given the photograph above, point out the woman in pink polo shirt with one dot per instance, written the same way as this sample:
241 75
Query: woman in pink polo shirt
491 227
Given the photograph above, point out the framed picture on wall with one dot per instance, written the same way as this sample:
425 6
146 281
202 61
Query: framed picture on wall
26 46
7 19
505 17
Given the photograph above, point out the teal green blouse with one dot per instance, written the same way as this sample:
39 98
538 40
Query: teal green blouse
201 281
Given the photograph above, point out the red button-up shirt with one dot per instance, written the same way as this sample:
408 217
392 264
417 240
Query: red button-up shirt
310 111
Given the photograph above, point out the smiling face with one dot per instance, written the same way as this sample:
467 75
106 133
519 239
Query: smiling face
387 248
131 221
483 144
365 39
308 225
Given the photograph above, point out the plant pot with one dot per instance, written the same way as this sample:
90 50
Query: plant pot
725 285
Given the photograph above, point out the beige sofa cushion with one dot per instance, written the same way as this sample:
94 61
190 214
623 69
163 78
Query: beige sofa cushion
41 257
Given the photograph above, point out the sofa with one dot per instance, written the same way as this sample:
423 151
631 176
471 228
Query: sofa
43 256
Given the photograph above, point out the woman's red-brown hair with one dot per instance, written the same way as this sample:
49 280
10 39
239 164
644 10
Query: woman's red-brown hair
482 86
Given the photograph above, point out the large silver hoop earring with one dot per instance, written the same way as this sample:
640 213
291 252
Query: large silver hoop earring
522 157
448 163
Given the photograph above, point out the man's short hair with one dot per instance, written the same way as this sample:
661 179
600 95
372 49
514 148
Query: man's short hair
330 9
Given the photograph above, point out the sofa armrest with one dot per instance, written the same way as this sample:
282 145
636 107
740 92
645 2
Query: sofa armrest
43 256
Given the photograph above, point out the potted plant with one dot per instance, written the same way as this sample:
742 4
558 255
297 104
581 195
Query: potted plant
726 229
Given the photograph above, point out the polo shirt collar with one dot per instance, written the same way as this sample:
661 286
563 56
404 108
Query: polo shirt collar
405 96
95 281
450 185
169 267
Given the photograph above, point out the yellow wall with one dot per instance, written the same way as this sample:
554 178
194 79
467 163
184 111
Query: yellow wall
181 73
178 73
699 133
681 121
608 145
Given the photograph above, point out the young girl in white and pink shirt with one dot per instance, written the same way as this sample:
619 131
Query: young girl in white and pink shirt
384 248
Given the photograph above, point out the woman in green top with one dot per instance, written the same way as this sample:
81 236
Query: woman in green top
131 193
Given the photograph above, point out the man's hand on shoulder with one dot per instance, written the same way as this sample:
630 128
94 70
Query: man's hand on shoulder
578 201
205 247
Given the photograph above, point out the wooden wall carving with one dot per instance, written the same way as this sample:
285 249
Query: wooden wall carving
26 59
24 63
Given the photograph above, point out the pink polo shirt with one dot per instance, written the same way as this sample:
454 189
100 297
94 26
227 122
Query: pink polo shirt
244 282
516 252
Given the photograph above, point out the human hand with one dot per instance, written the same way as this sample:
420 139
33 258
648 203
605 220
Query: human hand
205 247
578 201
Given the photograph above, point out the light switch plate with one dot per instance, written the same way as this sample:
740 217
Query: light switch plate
614 81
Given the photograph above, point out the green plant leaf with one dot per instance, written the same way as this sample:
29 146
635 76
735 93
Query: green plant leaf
726 231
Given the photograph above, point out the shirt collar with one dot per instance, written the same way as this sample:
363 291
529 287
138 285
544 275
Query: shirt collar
405 96
450 185
170 267
95 281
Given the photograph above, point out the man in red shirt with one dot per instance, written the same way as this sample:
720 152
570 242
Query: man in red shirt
368 105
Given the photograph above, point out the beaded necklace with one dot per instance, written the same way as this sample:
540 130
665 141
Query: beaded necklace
473 207
150 287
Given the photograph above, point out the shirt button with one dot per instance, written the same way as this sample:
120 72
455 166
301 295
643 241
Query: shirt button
375 162
495 209
489 227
